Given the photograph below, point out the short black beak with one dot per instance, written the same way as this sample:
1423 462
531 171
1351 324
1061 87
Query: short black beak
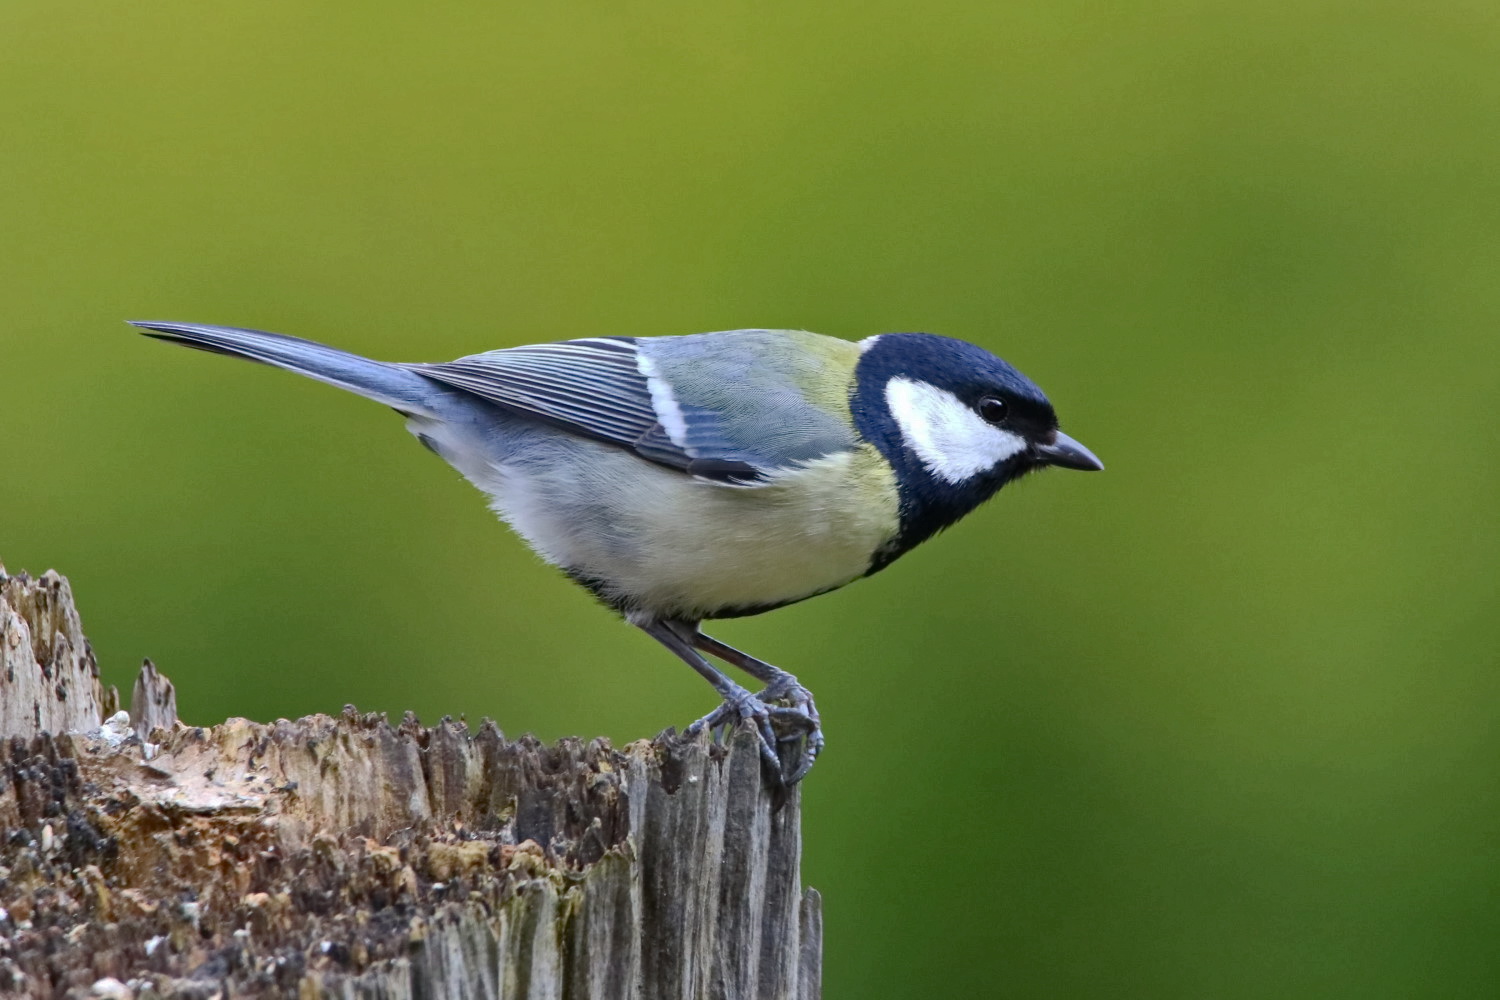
1068 454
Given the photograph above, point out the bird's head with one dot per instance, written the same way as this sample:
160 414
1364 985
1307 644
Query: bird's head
956 424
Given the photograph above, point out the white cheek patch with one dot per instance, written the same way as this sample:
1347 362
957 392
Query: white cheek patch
949 437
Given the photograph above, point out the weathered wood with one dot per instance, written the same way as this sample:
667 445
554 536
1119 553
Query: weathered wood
347 857
49 680
153 702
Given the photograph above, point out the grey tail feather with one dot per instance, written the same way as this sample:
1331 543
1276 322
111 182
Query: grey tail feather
393 385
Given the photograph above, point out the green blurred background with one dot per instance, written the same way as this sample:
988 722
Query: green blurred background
1220 722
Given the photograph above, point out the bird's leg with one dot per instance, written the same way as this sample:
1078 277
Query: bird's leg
738 702
779 683
800 715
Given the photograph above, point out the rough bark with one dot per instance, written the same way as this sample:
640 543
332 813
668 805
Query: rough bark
347 857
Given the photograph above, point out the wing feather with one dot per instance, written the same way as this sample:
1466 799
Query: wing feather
602 388
594 387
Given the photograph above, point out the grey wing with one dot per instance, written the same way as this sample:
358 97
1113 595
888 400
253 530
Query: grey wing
597 388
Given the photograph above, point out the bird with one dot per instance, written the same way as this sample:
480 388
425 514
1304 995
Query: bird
689 478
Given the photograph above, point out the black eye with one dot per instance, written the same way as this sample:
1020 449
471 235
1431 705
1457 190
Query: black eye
991 409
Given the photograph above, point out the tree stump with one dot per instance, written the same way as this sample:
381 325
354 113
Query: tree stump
348 857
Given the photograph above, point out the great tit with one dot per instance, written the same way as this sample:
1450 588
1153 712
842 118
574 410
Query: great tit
713 475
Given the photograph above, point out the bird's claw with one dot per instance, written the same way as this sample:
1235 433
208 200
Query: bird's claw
742 705
795 725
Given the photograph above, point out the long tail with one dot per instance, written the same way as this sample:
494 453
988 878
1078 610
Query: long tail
393 385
